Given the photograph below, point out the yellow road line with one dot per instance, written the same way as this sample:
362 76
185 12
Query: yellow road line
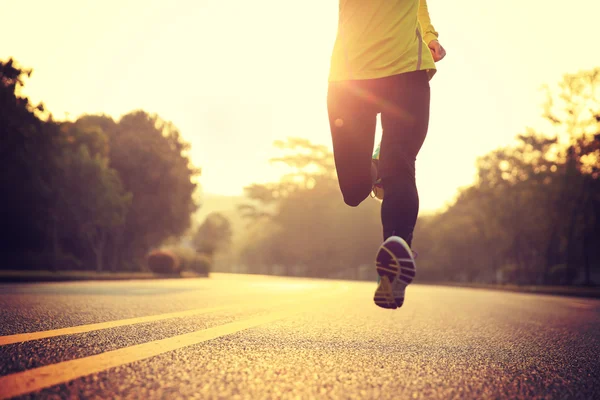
32 380
25 337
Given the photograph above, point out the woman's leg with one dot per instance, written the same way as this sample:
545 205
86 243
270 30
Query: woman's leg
352 120
405 120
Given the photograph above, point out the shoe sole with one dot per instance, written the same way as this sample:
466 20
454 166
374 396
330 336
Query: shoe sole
396 267
384 296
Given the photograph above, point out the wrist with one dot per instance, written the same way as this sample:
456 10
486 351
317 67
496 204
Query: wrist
430 37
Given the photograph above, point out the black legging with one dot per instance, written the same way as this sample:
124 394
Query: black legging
403 101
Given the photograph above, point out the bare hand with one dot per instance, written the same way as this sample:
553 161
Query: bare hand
437 51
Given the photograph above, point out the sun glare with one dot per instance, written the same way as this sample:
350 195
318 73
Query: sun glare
234 77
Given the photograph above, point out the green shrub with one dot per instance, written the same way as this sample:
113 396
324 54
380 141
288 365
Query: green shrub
201 264
192 261
185 255
163 261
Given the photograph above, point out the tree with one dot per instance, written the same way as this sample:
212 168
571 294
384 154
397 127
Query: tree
300 225
213 235
68 186
575 112
152 162
92 196
532 216
27 145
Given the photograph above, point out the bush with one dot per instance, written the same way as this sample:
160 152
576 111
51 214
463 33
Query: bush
185 255
193 261
164 262
201 264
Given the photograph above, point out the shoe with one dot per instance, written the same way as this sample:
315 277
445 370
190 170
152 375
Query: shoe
396 268
377 187
407 275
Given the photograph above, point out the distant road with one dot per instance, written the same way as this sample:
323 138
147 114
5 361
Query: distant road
255 337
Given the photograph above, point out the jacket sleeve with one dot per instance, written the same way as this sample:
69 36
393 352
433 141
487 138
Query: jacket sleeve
429 32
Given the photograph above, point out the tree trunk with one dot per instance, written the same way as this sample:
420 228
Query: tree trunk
586 259
551 246
55 244
576 211
588 239
99 261
98 247
115 240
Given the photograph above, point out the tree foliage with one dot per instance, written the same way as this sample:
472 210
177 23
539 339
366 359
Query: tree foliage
26 148
300 225
213 234
92 198
531 217
97 191
150 157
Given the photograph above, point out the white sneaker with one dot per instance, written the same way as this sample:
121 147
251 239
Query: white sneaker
396 267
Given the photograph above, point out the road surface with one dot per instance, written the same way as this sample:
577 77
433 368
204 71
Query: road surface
256 337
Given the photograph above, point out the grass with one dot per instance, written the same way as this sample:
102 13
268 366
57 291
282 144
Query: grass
61 276
574 291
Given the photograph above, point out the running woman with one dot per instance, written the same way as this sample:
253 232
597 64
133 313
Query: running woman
383 59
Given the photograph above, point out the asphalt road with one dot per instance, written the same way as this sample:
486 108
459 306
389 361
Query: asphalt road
257 337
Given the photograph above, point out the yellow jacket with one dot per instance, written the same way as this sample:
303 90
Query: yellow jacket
379 38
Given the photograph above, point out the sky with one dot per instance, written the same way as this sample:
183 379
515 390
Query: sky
234 76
